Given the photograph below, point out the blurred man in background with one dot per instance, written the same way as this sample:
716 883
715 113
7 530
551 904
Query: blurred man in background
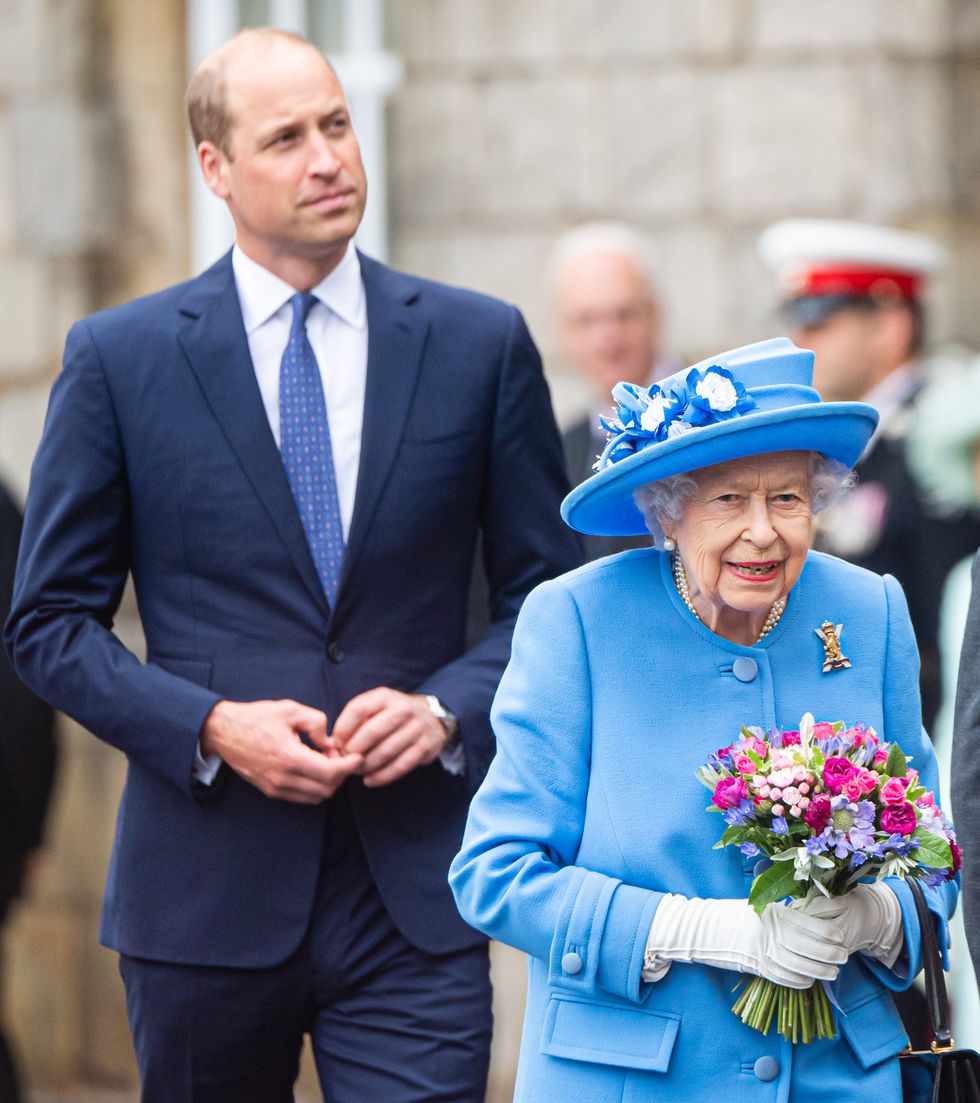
853 293
609 327
27 762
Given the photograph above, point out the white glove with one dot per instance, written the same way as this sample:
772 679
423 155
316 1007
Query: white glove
785 945
870 918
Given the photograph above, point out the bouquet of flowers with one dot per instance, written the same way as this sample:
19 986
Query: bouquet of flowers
828 806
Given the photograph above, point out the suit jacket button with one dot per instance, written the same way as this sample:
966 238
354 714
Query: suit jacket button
571 964
745 669
766 1068
335 652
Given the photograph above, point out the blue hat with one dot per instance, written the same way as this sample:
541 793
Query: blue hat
754 399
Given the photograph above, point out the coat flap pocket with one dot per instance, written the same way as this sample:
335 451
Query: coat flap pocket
873 1029
606 1034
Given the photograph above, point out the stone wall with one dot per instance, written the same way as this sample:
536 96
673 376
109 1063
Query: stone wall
699 121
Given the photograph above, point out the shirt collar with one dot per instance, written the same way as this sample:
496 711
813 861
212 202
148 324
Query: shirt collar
262 294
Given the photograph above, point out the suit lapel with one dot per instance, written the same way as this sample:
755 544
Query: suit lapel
396 341
214 340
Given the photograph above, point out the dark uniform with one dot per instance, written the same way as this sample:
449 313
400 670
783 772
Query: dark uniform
27 762
886 525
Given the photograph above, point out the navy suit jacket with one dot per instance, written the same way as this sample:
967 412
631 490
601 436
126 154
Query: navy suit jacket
157 459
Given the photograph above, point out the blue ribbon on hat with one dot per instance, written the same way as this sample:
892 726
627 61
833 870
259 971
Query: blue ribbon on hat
681 404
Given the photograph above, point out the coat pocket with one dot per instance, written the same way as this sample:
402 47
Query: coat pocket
608 1034
873 1028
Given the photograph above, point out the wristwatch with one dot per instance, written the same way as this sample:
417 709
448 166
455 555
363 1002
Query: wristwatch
448 719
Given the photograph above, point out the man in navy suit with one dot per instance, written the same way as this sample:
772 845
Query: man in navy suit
293 455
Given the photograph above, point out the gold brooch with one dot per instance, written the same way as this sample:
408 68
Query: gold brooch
834 658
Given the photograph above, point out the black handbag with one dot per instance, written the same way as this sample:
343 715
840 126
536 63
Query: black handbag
942 1074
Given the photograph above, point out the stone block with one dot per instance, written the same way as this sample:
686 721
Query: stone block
508 974
965 27
67 183
23 46
657 131
426 141
914 29
534 147
108 1056
641 30
508 34
23 324
426 33
784 141
965 147
7 220
22 412
798 25
905 139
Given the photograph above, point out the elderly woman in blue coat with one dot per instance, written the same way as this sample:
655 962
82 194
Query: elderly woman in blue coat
588 845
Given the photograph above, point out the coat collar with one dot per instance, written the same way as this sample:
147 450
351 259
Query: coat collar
213 338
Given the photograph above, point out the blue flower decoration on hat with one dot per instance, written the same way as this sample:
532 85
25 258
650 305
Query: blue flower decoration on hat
683 403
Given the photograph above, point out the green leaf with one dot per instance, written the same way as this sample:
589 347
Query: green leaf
735 834
932 851
896 764
773 884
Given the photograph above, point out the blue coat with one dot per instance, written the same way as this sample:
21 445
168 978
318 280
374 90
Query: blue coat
157 459
591 811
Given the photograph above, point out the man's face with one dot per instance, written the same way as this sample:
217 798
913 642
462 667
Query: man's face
607 320
293 181
846 348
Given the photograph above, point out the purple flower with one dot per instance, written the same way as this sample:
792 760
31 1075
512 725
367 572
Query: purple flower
750 850
743 813
779 825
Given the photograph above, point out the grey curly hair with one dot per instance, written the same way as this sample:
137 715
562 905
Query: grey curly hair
828 481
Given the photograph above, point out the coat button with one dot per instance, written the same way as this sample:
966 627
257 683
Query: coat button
766 1068
745 669
571 964
335 652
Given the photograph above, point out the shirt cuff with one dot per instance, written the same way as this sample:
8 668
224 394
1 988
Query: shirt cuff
205 769
453 759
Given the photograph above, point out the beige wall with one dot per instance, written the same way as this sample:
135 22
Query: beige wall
697 121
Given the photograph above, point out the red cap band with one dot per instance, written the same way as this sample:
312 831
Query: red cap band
873 282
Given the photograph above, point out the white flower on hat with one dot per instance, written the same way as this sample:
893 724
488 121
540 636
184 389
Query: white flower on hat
678 428
655 413
717 391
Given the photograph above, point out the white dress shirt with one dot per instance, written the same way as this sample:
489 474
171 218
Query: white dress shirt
337 330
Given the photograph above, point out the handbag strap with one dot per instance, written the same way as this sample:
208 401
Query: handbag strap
932 967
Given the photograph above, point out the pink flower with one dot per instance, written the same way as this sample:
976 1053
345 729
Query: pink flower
899 819
744 764
852 788
823 730
860 736
791 739
893 791
756 746
869 781
957 856
836 771
729 792
927 800
881 756
818 813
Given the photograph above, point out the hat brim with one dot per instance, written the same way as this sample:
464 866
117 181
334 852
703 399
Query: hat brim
603 505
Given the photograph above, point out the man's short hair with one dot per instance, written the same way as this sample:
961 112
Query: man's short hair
207 91
601 237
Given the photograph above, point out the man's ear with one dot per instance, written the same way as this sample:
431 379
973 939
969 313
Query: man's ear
213 162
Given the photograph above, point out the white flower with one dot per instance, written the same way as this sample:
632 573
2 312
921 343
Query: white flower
678 428
806 728
653 415
719 391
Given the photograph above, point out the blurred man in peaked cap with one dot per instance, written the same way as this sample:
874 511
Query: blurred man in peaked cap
854 293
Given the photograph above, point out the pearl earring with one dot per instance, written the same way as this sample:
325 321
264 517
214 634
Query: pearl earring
669 544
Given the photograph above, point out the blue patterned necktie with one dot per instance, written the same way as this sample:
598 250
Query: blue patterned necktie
305 446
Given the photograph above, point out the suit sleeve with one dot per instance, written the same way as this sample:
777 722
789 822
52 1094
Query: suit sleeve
72 568
524 540
966 766
903 725
515 877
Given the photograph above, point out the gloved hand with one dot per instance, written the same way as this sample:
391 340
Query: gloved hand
870 918
785 945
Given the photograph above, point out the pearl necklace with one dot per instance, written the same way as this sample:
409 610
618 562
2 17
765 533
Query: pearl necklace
680 581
